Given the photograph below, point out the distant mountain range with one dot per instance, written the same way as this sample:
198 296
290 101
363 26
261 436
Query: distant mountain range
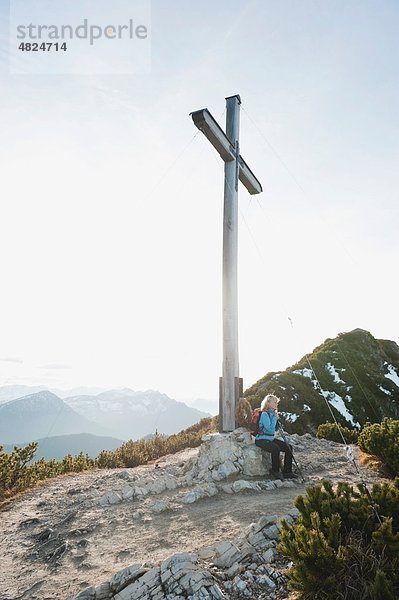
41 415
59 446
122 414
358 377
132 414
12 392
209 406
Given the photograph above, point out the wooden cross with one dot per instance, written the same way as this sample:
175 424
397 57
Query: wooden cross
235 169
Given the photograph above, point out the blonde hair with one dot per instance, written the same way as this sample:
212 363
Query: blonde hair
266 401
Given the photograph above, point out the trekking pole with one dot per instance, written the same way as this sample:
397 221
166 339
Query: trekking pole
280 427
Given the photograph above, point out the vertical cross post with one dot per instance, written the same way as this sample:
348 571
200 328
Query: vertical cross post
230 271
227 145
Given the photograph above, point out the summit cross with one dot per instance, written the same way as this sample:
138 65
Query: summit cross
235 168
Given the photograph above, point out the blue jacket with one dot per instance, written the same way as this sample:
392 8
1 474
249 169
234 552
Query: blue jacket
267 425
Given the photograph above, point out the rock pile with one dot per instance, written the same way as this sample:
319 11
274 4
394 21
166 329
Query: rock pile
220 457
223 455
240 568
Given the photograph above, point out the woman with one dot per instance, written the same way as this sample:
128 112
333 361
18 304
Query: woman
266 439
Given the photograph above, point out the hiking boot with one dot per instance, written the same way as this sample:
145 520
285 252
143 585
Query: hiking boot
290 476
276 475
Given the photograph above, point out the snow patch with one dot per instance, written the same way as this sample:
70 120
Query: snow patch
334 373
306 407
392 375
337 402
387 392
290 417
307 373
304 372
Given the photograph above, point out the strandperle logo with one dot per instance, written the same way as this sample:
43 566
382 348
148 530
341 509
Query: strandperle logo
75 37
84 31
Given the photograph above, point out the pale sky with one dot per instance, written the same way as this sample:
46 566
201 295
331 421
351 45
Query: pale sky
111 209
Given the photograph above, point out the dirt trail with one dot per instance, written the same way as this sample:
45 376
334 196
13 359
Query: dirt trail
56 539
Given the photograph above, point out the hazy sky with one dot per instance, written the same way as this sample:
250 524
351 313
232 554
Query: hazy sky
111 209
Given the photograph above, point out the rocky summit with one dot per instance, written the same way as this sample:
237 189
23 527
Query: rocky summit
353 378
202 523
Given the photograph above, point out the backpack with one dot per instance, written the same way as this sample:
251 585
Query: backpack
254 425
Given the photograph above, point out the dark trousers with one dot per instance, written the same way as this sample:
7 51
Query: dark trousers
275 447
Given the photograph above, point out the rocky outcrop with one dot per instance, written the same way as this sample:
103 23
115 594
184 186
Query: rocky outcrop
221 457
242 567
226 454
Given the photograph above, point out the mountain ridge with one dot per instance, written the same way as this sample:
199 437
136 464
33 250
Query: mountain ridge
37 416
355 376
121 413
135 414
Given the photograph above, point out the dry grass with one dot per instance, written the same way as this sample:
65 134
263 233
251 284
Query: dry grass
374 463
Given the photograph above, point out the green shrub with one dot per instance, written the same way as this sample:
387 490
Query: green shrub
108 459
138 452
342 546
17 472
330 431
382 440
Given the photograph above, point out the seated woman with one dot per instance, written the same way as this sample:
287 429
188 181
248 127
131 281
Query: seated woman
266 439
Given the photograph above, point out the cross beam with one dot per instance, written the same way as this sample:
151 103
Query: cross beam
235 168
215 134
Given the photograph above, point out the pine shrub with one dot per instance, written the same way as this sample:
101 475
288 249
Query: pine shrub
18 472
330 431
343 545
108 459
138 452
382 440
15 474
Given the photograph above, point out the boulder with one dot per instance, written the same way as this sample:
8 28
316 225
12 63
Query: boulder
146 586
255 462
200 491
222 455
123 578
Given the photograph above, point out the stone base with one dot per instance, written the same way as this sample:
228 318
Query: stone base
226 454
